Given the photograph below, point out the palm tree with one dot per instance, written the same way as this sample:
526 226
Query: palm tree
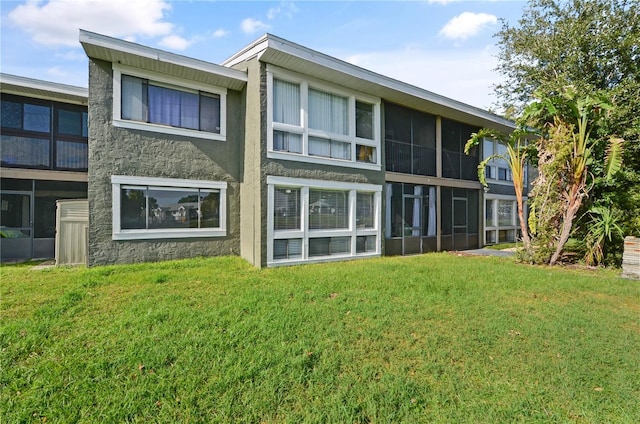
570 118
516 158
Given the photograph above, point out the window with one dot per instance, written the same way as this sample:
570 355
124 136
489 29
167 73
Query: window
153 102
504 174
311 220
505 212
489 212
313 122
43 134
154 208
497 168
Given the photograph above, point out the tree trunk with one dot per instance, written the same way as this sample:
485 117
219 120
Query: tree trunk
574 200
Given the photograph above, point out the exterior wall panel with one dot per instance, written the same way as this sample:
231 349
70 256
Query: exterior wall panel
121 151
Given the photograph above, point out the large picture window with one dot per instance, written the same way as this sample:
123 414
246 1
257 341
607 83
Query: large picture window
314 122
152 102
167 208
320 220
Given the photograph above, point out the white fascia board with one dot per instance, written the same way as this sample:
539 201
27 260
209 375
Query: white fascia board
16 82
250 51
110 44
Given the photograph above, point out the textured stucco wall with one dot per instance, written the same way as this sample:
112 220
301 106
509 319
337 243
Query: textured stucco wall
120 151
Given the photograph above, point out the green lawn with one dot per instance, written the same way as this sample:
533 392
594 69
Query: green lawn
432 338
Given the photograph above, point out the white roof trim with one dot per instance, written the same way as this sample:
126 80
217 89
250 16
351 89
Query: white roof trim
35 84
114 44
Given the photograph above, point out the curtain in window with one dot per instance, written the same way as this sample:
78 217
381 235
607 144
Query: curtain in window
417 202
286 102
210 113
328 112
431 226
340 150
319 147
133 99
287 142
173 107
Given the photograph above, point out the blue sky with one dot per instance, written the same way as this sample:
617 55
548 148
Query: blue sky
445 46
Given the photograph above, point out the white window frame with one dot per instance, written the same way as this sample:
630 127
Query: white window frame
496 227
306 132
494 164
173 82
305 233
117 181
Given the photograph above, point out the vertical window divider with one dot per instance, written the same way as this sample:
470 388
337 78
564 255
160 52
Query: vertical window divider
353 194
304 221
304 116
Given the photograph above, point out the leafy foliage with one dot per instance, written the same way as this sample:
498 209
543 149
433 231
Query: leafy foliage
594 47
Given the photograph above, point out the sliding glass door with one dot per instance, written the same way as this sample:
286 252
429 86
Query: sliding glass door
15 225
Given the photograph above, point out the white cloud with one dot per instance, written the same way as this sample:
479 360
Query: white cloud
285 8
175 42
219 33
442 1
447 73
467 24
56 22
251 25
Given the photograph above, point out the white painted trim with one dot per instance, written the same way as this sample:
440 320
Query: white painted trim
322 184
164 129
53 88
319 160
167 183
177 83
109 47
306 234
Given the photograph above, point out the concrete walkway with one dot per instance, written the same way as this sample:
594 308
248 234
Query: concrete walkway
490 252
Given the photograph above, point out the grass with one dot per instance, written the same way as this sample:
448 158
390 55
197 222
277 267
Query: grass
432 338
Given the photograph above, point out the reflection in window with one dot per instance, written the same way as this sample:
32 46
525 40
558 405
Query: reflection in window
328 209
287 249
286 211
365 213
327 246
156 207
364 120
505 212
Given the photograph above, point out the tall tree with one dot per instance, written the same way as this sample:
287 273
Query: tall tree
593 46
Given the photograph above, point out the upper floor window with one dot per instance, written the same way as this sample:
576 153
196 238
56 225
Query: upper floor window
153 102
498 168
322 124
43 134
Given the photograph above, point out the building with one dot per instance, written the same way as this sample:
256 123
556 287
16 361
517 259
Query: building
44 155
281 154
